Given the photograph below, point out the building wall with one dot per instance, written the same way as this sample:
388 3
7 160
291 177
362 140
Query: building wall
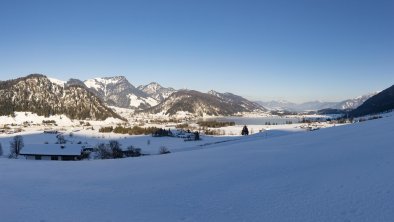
33 157
46 158
30 158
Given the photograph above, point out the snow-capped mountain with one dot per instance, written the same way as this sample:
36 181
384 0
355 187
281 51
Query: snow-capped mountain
44 96
156 91
289 106
118 91
203 104
278 105
351 104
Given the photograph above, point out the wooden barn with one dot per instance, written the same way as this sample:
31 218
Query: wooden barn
52 151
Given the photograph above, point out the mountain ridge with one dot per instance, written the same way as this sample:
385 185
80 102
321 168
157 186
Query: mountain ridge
381 102
37 93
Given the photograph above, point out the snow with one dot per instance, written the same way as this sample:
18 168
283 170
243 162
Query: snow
136 101
335 174
61 120
93 83
57 81
102 83
32 118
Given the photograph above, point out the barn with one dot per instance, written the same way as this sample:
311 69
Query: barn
52 151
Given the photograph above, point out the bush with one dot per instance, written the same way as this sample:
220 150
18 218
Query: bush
85 155
182 126
49 122
133 152
106 129
213 132
162 132
164 150
215 124
112 150
136 130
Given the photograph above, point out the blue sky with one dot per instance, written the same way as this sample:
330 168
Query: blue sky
297 50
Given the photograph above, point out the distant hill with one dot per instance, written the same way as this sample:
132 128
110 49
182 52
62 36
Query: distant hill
349 104
238 100
381 102
38 94
331 111
294 107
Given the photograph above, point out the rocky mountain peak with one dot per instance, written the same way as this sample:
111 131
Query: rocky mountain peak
38 94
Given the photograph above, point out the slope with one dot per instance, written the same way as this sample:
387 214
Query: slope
335 174
381 102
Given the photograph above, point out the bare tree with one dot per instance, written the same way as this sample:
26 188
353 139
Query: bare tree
164 150
103 151
115 148
16 146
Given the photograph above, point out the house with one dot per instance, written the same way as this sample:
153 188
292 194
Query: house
52 151
51 131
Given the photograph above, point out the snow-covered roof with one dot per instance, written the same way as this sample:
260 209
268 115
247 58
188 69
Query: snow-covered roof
52 149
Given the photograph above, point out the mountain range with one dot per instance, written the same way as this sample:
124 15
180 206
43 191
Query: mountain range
202 104
97 99
154 98
349 104
93 98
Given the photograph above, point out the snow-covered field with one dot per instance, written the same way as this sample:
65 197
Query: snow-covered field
342 173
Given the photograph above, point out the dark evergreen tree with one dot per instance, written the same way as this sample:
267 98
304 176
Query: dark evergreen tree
196 135
245 131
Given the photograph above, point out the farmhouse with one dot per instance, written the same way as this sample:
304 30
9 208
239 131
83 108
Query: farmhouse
52 151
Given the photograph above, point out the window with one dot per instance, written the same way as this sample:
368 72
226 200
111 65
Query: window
37 157
68 158
54 158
